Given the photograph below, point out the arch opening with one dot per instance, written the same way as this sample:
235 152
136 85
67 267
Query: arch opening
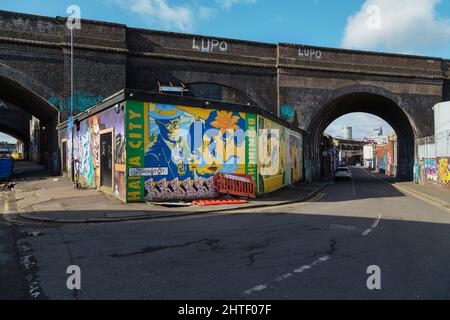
14 143
376 104
29 117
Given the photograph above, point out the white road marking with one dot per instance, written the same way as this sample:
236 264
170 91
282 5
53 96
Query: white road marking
256 289
315 199
353 186
302 269
377 221
284 277
374 225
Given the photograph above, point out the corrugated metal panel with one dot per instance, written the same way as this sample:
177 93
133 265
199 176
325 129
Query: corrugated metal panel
443 143
442 117
427 151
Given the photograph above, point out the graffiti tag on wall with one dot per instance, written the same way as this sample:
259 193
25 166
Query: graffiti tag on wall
444 171
82 101
27 25
310 53
431 171
86 149
209 45
287 112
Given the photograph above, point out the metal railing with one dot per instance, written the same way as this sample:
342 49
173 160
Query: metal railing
436 146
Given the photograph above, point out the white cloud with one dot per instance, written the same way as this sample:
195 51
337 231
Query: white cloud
226 4
206 12
401 25
160 12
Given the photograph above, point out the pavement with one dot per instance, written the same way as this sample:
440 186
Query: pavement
323 248
52 199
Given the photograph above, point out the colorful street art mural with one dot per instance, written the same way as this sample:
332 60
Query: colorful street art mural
175 151
280 155
271 145
287 112
82 101
431 171
86 149
35 140
444 172
295 156
165 152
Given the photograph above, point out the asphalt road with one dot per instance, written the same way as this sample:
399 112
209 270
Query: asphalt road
315 250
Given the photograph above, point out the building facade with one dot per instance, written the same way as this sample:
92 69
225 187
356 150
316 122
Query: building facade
433 159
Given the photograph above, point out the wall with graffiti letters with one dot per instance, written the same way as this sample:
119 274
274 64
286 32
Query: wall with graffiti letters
174 152
444 172
171 152
433 171
86 149
82 100
280 153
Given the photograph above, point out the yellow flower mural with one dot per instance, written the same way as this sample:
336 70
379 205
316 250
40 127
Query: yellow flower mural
225 121
444 168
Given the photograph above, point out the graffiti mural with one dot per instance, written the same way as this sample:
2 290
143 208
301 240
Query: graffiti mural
183 149
287 112
295 157
444 172
35 139
86 149
431 171
82 101
272 159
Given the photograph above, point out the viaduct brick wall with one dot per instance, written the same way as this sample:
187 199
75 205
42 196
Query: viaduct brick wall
299 83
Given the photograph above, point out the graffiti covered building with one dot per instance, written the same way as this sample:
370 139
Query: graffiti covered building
155 147
433 160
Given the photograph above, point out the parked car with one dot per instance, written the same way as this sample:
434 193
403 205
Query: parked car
358 164
342 173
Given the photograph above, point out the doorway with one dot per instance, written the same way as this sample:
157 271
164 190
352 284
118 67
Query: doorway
106 159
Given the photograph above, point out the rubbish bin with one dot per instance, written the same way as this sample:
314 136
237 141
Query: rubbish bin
6 168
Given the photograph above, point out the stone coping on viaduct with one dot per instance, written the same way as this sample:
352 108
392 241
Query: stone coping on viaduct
33 30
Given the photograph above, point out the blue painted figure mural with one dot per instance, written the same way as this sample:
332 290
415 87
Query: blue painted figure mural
187 147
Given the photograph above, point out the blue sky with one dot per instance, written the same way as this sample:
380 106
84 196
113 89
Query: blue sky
404 26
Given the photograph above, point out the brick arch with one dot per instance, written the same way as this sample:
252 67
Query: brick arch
33 97
22 90
368 99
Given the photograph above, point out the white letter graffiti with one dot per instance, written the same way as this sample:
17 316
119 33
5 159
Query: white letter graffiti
310 53
209 46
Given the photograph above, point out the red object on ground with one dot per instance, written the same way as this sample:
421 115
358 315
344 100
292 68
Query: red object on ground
217 202
241 185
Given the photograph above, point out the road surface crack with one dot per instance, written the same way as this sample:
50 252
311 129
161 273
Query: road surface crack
210 242
251 257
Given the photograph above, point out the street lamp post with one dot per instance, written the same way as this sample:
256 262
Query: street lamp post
71 103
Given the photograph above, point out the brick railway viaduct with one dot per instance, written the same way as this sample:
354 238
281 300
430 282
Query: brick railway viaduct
310 85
